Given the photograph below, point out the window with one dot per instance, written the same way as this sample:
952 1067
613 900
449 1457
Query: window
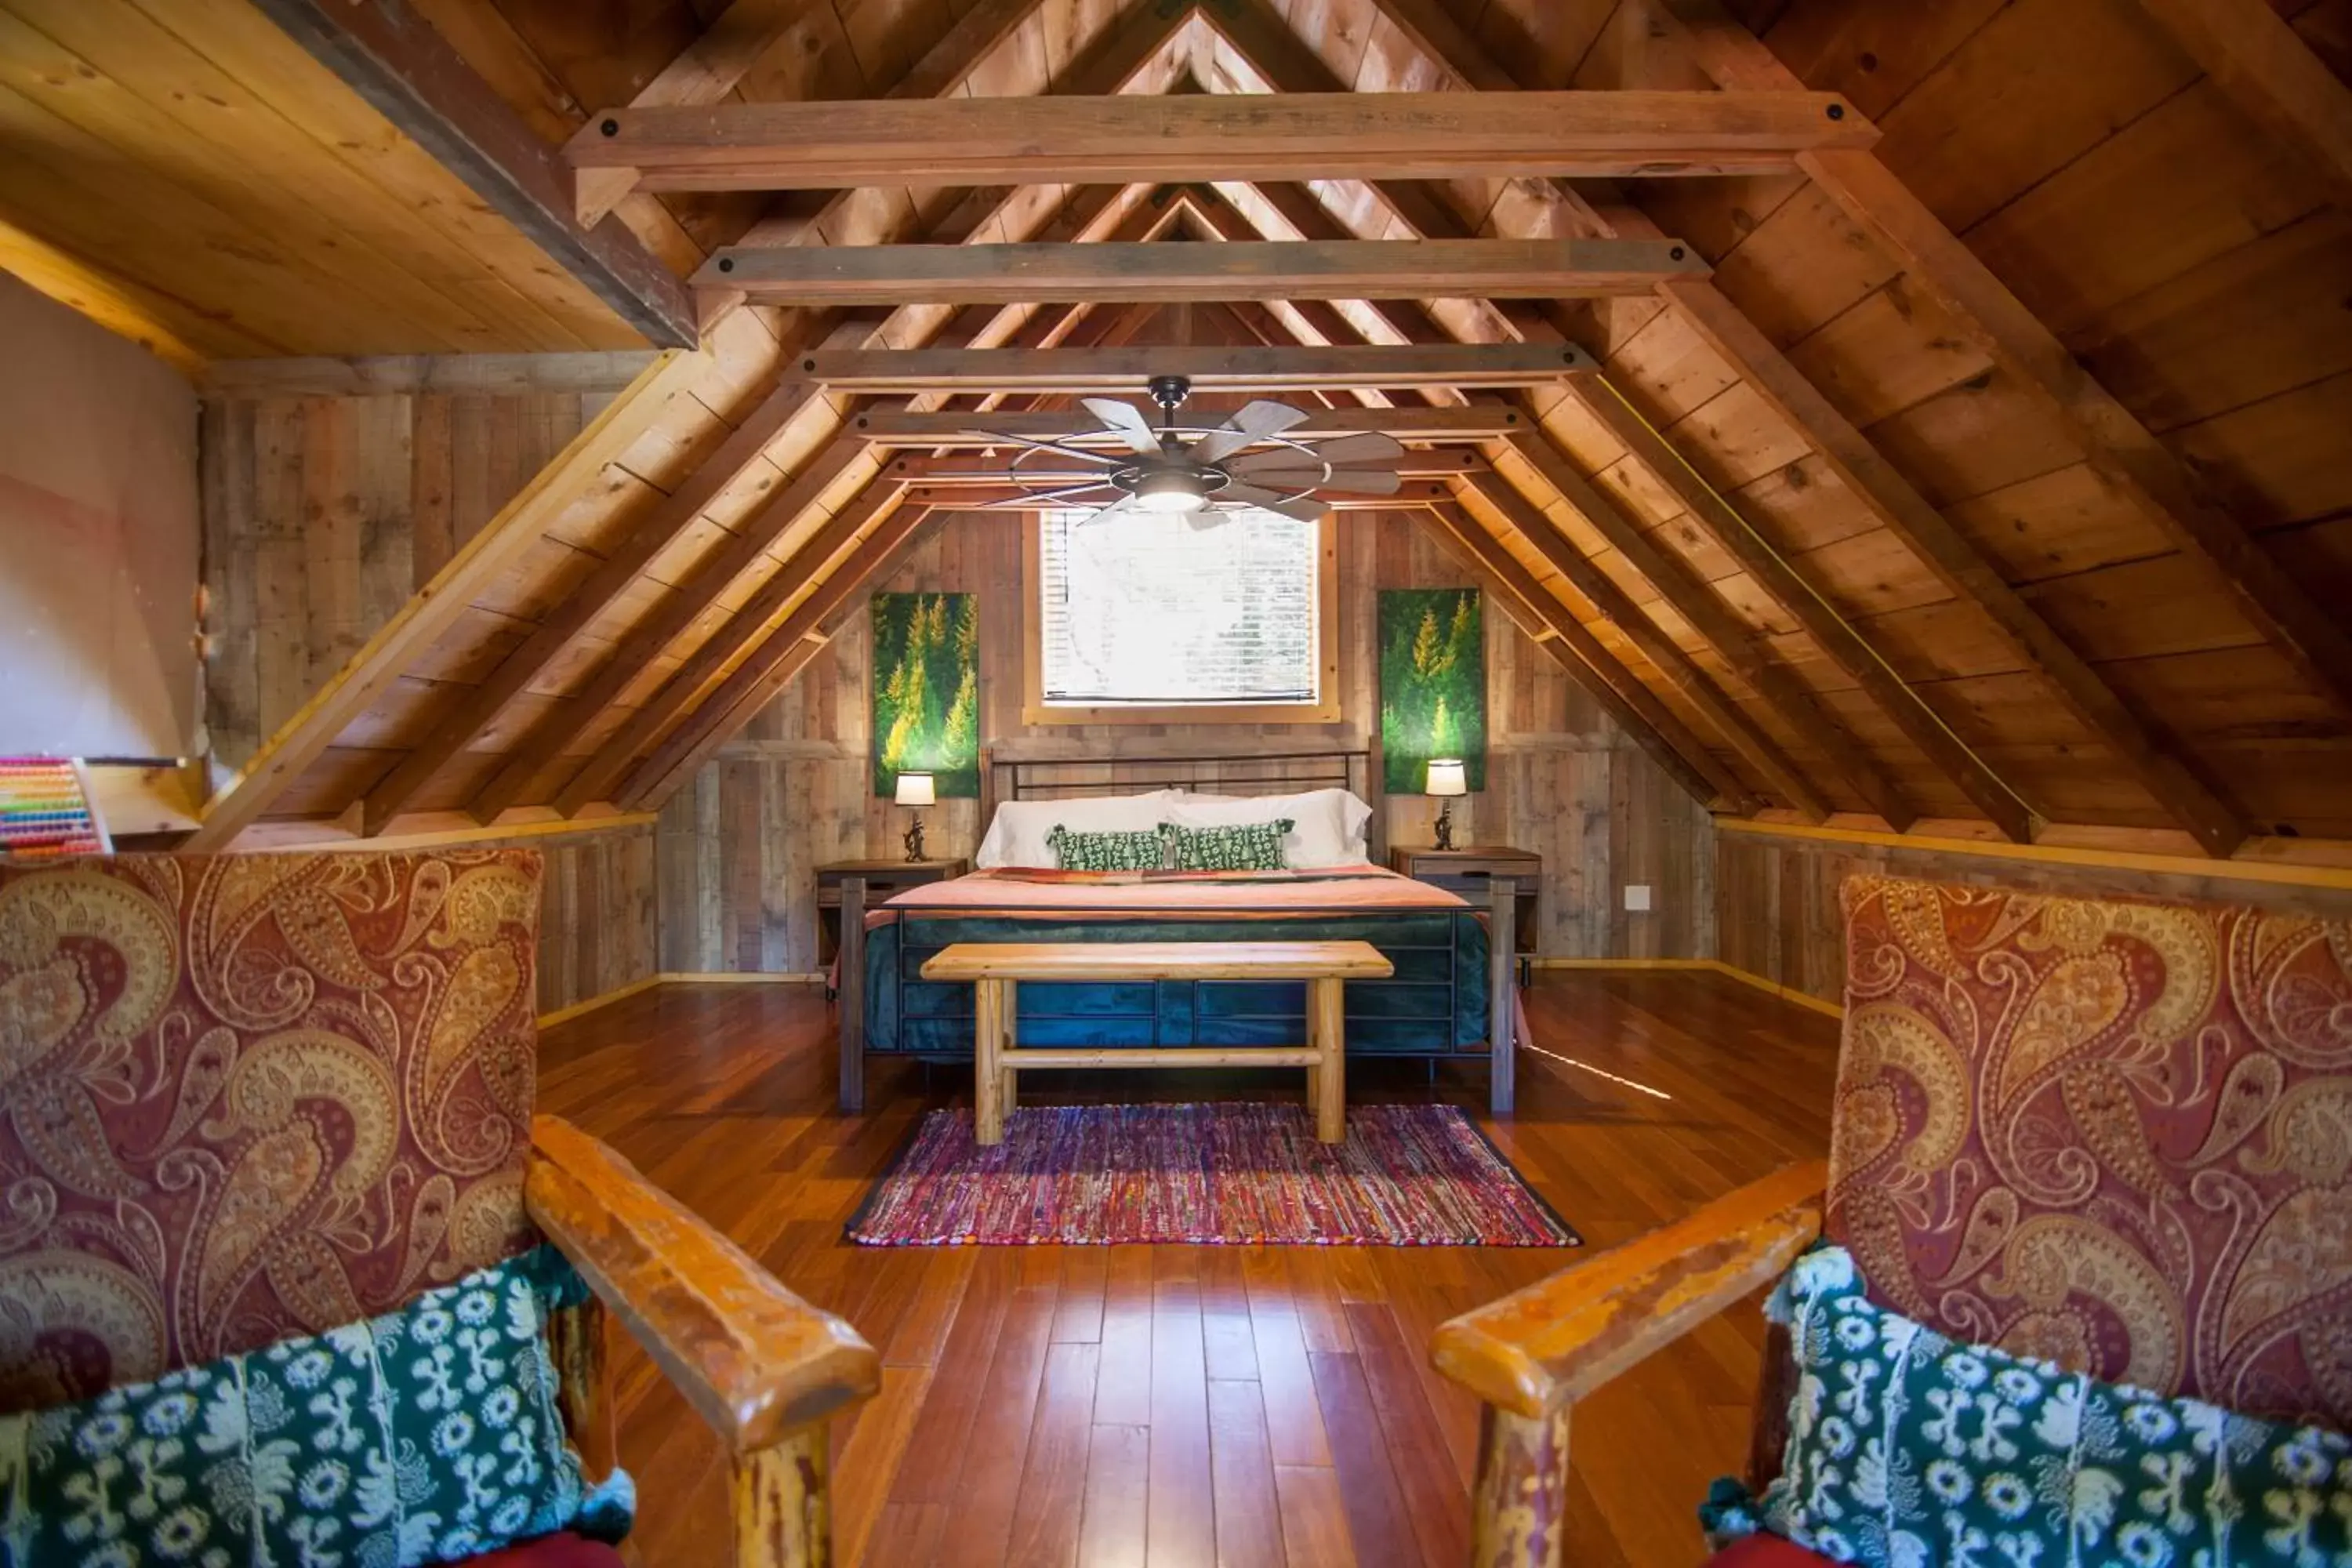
1143 619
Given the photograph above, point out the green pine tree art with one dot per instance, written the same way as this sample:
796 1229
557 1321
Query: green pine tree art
1433 647
927 691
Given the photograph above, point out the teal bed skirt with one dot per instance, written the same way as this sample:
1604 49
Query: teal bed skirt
1435 1004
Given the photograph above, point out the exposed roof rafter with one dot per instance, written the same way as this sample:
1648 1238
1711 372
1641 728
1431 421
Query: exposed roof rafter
391 55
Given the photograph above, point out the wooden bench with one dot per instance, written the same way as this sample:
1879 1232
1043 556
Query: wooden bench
996 970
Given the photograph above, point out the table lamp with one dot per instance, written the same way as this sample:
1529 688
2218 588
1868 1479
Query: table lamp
917 790
1446 780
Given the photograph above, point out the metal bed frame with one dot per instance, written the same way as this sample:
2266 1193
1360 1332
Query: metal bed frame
1245 773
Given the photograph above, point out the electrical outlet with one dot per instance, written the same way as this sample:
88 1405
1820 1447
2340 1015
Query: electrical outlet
1637 897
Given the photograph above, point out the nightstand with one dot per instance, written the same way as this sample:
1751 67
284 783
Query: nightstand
1467 872
883 878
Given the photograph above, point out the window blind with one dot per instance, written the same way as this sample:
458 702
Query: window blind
1146 610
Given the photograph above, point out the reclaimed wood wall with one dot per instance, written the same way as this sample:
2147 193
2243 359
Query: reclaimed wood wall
323 514
740 844
1776 912
596 931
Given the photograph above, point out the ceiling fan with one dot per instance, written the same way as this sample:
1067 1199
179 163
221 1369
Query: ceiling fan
1205 473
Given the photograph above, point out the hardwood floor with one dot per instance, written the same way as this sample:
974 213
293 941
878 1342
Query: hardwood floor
1180 1406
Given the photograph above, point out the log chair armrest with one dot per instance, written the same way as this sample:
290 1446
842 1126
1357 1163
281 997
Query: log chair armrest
753 1359
1537 1351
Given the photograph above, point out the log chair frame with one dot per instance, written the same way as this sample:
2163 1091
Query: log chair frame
764 1368
1533 1353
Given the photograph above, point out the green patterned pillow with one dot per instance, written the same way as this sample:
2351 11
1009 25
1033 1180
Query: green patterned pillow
1145 851
1906 1447
429 1435
1244 847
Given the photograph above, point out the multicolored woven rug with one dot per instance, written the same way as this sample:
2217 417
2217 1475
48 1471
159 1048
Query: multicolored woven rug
1407 1176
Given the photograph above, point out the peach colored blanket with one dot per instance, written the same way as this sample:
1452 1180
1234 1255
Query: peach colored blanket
1129 894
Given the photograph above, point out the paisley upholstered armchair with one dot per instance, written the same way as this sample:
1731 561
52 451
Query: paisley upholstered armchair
270 1168
2112 1135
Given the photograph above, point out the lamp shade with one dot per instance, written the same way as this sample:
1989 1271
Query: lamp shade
917 789
1447 776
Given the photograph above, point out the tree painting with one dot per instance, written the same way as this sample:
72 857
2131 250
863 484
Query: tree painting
927 691
1432 684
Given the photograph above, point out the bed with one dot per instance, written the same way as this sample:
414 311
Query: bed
1450 998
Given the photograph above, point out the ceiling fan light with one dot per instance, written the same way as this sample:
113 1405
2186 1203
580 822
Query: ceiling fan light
1169 493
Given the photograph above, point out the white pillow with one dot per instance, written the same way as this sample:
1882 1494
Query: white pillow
1326 826
1017 836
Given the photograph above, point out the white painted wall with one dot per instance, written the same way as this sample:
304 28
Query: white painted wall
99 540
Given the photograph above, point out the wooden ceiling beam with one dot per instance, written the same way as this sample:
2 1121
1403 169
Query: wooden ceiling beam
2154 761
709 69
1335 270
676 696
434 609
978 429
1454 51
1524 518
478 710
479 707
2119 448
537 748
1016 497
1554 628
1262 40
399 62
1730 639
2264 68
1681 588
1159 138
1110 66
668 619
921 469
1780 583
1210 369
832 581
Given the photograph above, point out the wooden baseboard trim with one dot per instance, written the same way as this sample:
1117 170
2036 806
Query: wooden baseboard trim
672 977
2317 863
549 1020
1709 965
1785 993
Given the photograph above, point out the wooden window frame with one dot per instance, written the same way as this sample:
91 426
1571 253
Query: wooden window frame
1325 709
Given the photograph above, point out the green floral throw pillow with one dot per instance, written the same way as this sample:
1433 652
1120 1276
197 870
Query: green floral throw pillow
1909 1450
429 1435
1244 846
1145 851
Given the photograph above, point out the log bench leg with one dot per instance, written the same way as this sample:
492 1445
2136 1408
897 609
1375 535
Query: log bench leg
1327 1030
987 1077
1008 1007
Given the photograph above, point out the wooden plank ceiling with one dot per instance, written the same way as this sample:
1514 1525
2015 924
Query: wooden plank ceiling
1990 470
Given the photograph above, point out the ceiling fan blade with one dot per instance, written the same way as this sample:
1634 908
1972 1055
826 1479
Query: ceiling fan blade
1207 517
1253 422
1368 446
1119 505
1127 420
1364 481
1288 505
